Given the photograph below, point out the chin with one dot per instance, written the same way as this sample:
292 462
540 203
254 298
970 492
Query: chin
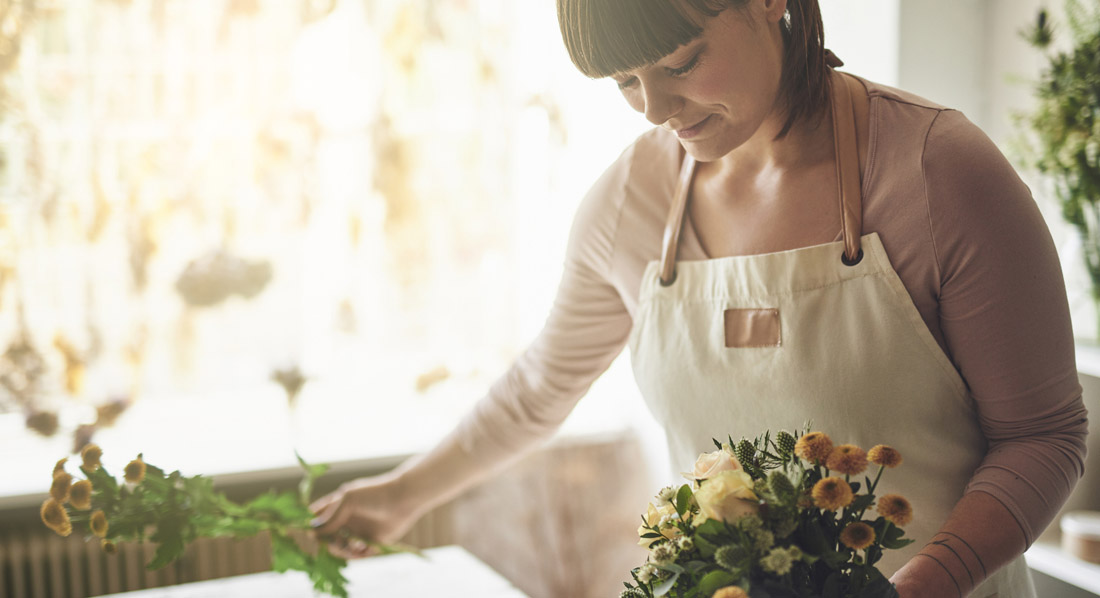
703 151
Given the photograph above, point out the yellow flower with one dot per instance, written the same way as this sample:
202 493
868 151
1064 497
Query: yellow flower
832 493
896 509
848 459
60 466
729 592
59 489
884 455
857 535
56 518
135 471
91 454
661 517
98 524
108 546
80 495
727 496
814 447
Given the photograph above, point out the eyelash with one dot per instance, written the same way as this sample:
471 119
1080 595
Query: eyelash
676 72
687 68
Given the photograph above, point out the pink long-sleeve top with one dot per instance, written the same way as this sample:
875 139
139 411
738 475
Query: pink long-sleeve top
965 237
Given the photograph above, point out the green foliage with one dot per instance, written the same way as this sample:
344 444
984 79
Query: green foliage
172 510
789 548
1065 124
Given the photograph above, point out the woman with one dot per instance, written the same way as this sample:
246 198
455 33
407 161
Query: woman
792 243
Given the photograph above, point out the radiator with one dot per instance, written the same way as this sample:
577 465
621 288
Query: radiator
40 564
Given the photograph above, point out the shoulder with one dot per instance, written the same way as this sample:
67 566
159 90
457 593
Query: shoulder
939 144
633 190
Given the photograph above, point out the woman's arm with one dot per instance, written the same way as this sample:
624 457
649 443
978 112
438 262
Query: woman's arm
587 328
1005 318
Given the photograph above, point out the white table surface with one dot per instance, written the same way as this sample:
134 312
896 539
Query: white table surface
446 571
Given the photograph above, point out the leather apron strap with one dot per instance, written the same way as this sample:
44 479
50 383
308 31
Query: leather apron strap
850 117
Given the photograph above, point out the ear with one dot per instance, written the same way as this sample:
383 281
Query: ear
775 9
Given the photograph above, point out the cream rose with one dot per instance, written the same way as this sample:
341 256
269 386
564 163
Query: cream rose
713 463
727 496
654 516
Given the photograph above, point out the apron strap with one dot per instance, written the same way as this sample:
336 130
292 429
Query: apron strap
675 222
847 161
849 110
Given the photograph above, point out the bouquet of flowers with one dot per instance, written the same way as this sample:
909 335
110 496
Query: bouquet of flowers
172 510
774 518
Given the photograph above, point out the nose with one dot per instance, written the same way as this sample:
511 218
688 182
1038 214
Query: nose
659 104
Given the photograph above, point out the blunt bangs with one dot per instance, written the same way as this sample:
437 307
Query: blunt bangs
605 37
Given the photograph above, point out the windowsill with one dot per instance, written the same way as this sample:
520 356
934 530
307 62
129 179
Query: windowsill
1051 560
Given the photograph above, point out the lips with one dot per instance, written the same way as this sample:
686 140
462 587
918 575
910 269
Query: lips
693 130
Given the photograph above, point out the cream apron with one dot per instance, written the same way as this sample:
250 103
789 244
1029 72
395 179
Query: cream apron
737 345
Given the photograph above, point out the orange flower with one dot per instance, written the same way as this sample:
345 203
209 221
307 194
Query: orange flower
135 471
91 454
814 447
55 517
729 592
832 493
80 495
886 456
59 489
848 459
896 509
857 535
98 524
60 466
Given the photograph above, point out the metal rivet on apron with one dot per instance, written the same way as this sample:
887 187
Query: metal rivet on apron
847 262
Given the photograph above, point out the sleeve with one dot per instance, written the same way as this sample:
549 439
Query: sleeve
1005 317
586 329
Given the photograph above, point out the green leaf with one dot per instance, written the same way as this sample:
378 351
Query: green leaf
811 538
714 580
712 528
879 587
169 536
287 555
327 573
311 473
861 502
833 586
670 567
705 547
893 539
663 588
683 499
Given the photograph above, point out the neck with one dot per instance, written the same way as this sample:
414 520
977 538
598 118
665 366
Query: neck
809 142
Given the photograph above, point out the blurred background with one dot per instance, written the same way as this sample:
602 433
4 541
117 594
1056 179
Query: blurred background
235 229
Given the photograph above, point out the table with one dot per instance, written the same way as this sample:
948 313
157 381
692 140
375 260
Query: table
444 571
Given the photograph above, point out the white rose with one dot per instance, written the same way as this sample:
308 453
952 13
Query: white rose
727 496
713 463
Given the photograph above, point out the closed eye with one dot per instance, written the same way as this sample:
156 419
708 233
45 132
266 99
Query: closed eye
683 70
627 83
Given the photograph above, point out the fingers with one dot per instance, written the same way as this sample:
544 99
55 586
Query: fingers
352 548
331 518
318 505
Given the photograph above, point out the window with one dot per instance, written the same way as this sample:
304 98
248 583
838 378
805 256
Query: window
198 195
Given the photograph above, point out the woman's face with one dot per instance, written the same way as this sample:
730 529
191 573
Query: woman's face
717 90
